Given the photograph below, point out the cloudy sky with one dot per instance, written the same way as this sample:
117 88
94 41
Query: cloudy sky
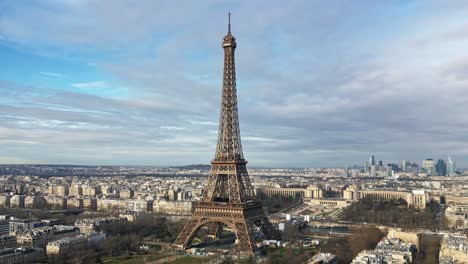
320 83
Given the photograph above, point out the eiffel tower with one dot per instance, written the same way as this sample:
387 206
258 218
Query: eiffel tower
228 199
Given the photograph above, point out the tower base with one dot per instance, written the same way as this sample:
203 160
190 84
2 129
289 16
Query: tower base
241 218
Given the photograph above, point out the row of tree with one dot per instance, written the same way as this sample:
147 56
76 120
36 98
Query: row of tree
124 238
392 213
347 247
276 203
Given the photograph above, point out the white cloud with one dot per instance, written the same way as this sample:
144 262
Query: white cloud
172 127
323 83
90 85
207 123
51 74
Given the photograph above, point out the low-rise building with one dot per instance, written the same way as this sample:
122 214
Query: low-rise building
7 241
40 237
17 201
457 215
173 207
454 247
126 193
89 190
388 250
284 192
312 191
416 198
96 239
139 205
90 204
35 202
67 244
56 202
4 227
336 202
133 216
89 226
5 200
76 190
323 258
19 225
75 203
111 205
21 255
61 190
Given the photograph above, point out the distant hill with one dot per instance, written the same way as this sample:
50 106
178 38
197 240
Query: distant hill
194 167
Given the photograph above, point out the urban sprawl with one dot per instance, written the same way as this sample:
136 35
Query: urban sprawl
308 206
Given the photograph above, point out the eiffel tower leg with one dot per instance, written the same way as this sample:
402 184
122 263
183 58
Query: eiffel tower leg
244 236
267 228
215 229
186 235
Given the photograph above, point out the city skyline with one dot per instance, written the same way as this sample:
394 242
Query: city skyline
84 83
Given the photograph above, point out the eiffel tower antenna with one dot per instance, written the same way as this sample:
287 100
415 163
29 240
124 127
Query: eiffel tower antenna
229 22
228 198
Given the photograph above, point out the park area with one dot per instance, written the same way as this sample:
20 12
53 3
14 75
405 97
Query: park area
154 259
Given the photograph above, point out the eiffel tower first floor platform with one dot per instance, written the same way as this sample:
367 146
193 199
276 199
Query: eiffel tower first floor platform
241 218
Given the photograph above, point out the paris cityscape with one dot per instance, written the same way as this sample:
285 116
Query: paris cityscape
233 132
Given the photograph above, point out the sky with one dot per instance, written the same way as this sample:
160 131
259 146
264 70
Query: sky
320 84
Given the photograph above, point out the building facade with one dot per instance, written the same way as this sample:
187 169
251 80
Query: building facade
40 237
67 244
7 241
311 191
21 255
416 198
89 226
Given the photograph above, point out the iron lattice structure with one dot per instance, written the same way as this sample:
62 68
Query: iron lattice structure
228 198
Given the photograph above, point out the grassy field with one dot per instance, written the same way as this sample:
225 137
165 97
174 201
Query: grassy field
189 260
288 255
141 259
125 260
150 258
280 250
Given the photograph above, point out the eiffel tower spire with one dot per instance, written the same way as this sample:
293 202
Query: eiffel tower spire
228 198
229 23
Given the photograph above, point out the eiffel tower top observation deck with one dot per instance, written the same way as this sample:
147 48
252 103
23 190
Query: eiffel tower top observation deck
229 147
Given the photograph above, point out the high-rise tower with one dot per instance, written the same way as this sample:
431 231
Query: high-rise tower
451 167
228 198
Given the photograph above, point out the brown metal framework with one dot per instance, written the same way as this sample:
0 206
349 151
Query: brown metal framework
228 198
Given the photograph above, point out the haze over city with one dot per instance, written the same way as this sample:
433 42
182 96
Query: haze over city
105 82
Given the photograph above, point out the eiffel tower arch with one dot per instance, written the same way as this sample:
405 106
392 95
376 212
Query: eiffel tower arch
228 198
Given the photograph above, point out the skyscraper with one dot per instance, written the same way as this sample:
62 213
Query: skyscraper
428 166
389 170
441 168
372 160
451 166
380 164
